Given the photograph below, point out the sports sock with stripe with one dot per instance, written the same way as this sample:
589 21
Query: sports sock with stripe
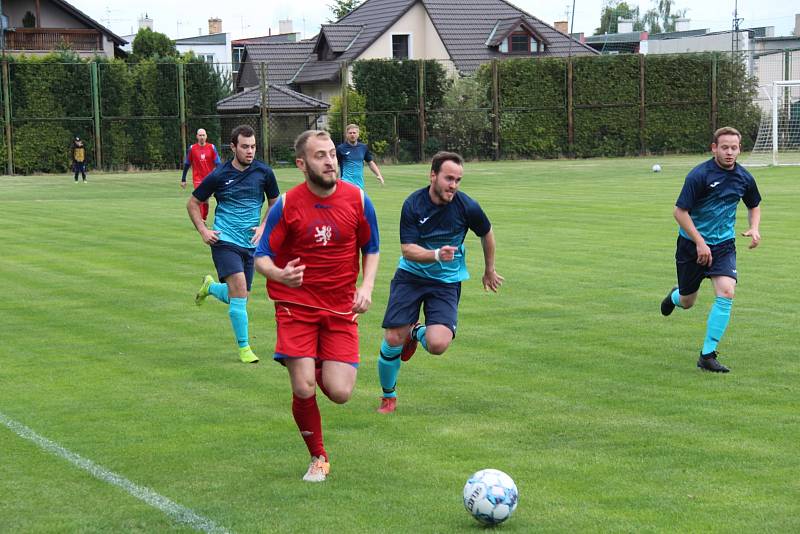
389 368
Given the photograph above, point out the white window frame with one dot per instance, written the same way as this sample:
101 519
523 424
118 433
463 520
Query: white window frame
410 36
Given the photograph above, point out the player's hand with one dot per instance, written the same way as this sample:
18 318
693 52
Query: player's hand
492 281
362 300
704 254
755 237
292 274
380 179
183 185
257 231
209 236
447 253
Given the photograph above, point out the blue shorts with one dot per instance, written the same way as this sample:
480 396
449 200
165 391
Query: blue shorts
691 274
408 292
231 259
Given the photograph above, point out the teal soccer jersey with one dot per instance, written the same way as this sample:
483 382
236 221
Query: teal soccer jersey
240 196
710 194
433 226
351 162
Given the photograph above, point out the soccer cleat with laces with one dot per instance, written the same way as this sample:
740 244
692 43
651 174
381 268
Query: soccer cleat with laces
667 306
247 356
410 346
318 469
708 362
388 405
202 293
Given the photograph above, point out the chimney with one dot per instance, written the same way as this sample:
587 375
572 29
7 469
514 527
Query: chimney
561 25
681 25
214 25
624 25
145 22
285 26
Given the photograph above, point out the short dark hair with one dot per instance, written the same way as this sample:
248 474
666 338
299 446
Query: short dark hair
440 157
244 130
302 140
727 130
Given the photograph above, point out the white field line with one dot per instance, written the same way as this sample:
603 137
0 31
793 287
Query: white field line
174 510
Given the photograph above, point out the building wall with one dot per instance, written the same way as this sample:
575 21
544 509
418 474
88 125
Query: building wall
221 52
321 91
425 42
716 42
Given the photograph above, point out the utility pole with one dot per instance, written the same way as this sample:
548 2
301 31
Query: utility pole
736 22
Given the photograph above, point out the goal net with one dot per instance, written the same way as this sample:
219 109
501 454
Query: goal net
778 140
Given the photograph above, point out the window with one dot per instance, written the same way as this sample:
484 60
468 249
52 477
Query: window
400 46
520 42
208 58
238 52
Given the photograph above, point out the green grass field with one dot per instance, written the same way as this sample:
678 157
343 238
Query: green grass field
569 379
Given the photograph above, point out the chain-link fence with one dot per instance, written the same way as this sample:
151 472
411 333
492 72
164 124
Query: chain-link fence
144 115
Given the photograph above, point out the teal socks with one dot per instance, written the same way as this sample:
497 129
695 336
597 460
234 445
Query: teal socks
676 298
421 336
219 291
718 319
237 311
389 368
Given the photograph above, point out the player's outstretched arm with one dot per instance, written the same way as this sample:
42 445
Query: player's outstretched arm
754 218
376 171
491 279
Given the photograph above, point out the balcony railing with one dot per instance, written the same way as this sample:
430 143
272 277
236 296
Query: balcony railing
52 38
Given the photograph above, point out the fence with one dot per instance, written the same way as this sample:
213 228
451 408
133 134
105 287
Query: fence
145 115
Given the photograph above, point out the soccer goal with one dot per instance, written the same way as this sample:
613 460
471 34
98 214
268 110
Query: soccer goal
778 140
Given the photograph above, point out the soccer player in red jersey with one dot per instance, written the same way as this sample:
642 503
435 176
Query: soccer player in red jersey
310 249
203 158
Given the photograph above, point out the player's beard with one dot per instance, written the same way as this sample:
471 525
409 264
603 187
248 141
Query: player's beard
321 180
244 163
441 194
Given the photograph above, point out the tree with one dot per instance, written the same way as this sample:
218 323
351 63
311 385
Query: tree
340 8
152 45
662 17
614 10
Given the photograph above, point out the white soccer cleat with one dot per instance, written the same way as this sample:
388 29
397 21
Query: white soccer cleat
318 469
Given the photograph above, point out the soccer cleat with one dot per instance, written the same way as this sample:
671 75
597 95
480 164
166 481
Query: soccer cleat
667 306
410 346
247 356
388 405
708 362
202 293
318 469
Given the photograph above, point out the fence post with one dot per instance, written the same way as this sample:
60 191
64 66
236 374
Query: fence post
7 118
264 88
495 110
570 111
714 101
421 106
345 99
182 105
396 138
98 142
642 109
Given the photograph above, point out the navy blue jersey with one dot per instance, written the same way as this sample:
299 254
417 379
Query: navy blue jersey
432 226
710 194
351 162
240 196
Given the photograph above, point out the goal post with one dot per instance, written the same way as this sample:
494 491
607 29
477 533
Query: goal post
778 139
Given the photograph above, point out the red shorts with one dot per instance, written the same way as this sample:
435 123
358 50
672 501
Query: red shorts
203 205
314 333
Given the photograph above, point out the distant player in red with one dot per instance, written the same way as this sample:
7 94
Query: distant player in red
310 249
203 158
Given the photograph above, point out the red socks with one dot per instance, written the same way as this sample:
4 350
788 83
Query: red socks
306 415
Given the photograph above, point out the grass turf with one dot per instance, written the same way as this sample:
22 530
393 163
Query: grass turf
569 379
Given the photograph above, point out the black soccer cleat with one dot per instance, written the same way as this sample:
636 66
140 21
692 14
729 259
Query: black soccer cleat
666 305
708 362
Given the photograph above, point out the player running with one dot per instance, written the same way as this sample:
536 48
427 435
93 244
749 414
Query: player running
351 156
203 158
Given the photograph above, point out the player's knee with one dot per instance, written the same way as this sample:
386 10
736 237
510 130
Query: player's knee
339 395
395 338
727 292
304 388
438 346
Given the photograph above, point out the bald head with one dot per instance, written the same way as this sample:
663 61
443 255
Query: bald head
201 136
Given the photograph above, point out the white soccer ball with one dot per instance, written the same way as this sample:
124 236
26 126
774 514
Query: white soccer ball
656 168
490 496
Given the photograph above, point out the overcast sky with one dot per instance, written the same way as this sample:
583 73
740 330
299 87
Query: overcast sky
245 19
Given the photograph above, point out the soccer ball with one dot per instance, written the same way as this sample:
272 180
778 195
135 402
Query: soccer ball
656 168
490 496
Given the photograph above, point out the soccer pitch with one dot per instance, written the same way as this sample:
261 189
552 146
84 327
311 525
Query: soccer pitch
569 379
